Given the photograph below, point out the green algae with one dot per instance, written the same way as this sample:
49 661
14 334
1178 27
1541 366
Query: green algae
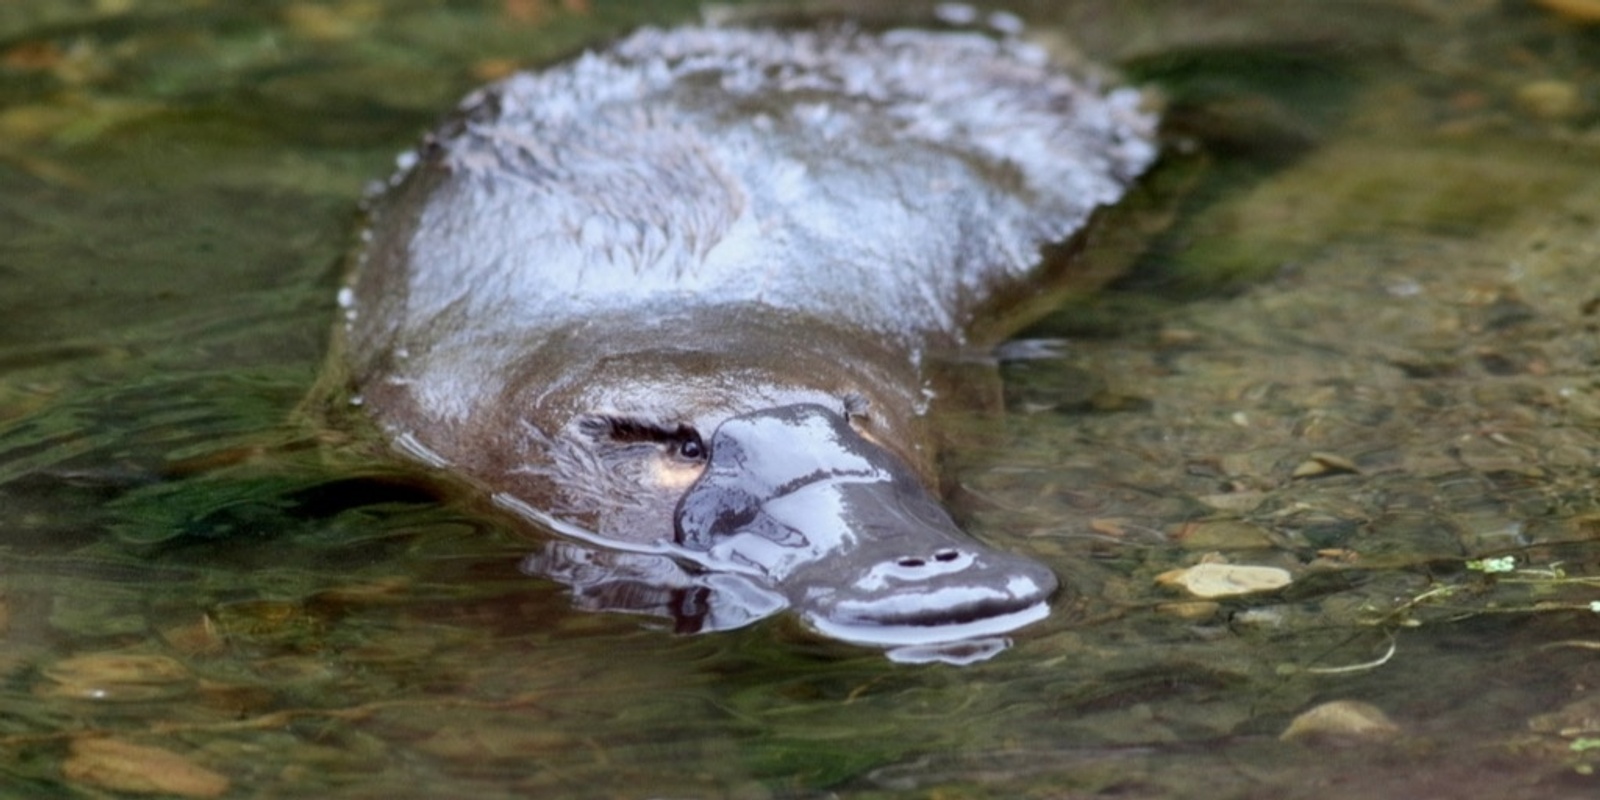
1379 257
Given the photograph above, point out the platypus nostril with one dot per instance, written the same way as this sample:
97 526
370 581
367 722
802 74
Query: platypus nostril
943 555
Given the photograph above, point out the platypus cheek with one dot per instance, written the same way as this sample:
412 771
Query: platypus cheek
673 475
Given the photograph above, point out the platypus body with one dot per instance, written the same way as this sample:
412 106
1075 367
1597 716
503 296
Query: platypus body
679 299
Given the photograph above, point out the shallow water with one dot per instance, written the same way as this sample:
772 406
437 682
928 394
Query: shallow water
1358 344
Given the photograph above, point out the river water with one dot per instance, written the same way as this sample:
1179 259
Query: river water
1356 344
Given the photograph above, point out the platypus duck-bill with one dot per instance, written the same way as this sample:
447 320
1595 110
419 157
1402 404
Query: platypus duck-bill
679 298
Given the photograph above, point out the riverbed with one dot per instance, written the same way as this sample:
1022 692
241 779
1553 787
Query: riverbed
1354 349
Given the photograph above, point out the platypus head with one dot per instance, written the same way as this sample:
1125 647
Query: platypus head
848 533
802 466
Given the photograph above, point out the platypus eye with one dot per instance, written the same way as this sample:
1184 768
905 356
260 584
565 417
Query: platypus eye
692 449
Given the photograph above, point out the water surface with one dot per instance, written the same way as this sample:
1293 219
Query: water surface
1357 343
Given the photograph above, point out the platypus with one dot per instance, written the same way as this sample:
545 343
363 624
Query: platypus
680 298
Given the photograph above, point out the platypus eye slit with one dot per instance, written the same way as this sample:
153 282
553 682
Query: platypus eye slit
621 430
629 430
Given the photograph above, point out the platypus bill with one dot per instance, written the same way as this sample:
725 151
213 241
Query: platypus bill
676 301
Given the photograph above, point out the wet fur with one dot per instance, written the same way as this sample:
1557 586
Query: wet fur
699 223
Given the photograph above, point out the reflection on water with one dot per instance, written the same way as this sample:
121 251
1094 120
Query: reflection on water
1361 351
654 586
698 602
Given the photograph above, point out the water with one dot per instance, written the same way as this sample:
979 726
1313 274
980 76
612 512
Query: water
1358 344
